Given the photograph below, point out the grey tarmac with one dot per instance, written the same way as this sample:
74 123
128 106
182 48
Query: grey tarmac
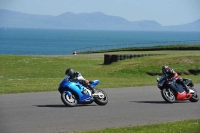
44 112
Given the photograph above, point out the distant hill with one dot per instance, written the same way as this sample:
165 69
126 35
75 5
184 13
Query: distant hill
193 26
87 21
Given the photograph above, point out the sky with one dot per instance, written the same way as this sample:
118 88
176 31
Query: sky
165 12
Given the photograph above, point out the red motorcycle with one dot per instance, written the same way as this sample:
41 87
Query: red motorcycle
172 91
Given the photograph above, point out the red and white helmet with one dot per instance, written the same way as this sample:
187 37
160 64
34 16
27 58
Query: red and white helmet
165 69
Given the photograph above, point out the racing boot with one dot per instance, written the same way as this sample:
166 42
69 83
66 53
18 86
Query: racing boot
187 89
92 89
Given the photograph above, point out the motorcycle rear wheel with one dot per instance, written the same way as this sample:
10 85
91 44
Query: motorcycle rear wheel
168 95
195 96
101 101
69 101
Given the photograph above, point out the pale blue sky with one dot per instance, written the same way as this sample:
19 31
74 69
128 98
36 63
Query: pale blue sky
165 12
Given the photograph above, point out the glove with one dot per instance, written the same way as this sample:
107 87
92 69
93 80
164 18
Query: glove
86 82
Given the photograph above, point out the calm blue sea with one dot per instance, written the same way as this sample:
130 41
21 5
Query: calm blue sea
61 42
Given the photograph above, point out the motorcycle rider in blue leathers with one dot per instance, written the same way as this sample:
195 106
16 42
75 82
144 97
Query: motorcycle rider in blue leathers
76 76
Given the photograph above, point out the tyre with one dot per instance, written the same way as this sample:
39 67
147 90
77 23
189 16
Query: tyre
69 101
115 58
102 99
168 95
195 96
107 59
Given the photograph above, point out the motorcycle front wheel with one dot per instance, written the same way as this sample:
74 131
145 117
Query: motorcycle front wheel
69 101
102 99
168 95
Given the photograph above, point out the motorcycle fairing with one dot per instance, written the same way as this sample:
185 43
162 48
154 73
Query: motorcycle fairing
75 88
183 96
93 83
188 82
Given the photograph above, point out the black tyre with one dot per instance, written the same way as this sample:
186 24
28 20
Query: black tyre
168 95
69 101
102 99
195 96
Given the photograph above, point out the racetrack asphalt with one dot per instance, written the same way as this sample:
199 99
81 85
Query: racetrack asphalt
44 112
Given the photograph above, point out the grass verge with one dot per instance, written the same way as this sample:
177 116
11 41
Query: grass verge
186 126
19 74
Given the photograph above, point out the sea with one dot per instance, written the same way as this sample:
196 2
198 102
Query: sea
16 41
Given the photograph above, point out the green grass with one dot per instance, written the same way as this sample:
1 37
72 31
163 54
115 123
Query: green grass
186 126
20 74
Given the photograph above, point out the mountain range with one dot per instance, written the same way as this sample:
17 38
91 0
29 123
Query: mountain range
86 21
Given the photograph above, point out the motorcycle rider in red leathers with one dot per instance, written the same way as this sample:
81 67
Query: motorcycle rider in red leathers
171 74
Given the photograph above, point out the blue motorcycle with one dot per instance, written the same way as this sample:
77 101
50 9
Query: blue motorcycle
73 93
